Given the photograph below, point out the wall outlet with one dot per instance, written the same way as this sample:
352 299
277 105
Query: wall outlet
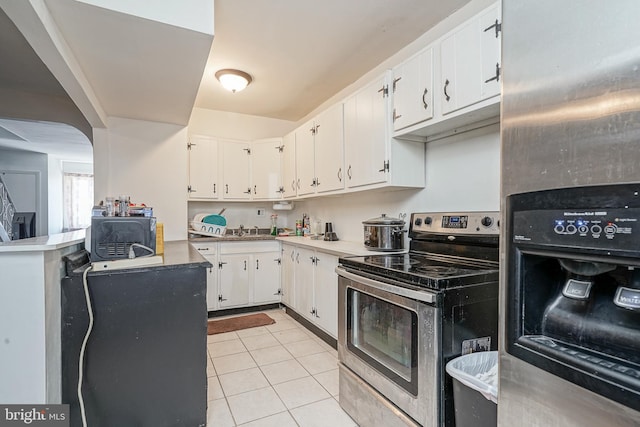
262 211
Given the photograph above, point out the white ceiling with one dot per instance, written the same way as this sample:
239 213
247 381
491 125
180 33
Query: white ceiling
302 52
299 53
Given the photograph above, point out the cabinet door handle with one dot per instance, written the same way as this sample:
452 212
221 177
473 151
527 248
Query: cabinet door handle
298 257
396 116
340 174
292 258
226 190
248 191
424 99
316 313
349 172
257 264
293 185
214 188
497 76
446 95
255 189
279 292
298 183
221 299
245 264
395 82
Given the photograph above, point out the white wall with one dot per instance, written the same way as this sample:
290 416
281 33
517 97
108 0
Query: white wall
223 124
148 162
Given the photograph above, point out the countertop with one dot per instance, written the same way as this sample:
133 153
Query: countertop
231 238
177 254
44 243
338 247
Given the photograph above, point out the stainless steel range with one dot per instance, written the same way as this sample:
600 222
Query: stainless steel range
402 317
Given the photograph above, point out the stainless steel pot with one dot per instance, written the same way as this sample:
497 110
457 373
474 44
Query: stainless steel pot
384 233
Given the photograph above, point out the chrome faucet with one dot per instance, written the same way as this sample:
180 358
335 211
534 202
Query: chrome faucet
241 230
256 227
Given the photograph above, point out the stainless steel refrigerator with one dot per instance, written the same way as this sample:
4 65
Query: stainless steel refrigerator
570 125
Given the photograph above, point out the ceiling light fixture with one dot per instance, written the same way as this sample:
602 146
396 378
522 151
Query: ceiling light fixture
233 80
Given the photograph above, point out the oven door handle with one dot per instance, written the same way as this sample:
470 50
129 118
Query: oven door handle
398 289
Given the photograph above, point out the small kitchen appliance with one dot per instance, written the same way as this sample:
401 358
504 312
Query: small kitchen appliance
384 233
402 317
114 237
574 278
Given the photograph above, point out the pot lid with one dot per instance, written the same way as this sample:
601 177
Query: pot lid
384 220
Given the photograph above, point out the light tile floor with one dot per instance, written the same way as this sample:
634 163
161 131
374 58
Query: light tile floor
278 375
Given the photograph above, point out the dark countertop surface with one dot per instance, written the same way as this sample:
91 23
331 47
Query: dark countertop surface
177 254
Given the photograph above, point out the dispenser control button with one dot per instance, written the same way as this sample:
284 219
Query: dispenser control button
571 229
577 289
627 298
583 229
610 229
596 229
486 221
559 229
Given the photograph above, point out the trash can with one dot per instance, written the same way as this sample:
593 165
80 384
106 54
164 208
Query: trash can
475 389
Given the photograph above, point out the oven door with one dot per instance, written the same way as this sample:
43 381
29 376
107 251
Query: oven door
388 335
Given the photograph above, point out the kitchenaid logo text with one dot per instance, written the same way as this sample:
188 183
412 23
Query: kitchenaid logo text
36 415
603 213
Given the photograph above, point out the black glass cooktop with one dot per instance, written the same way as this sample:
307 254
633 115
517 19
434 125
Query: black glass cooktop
425 270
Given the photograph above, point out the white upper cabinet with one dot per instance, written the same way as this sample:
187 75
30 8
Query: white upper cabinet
373 158
413 90
288 159
203 168
470 61
491 25
366 115
265 168
235 169
329 150
305 172
320 153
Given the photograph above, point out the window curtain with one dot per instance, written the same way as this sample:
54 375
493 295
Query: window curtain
78 200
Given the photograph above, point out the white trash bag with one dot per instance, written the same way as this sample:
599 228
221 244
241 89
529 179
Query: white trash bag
478 371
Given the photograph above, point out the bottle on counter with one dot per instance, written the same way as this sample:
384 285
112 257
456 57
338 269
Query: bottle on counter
298 227
306 225
274 225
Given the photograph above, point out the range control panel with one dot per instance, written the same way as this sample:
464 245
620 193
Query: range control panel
468 223
596 228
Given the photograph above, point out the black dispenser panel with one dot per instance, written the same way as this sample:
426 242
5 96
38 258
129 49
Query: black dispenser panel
573 268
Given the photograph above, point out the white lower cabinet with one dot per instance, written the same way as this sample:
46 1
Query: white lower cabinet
242 273
210 252
266 277
249 273
288 270
312 284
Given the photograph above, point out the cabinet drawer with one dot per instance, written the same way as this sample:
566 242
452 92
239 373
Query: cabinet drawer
249 247
206 248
